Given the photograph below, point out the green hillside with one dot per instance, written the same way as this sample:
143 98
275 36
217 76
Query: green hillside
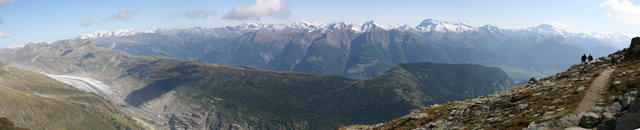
35 101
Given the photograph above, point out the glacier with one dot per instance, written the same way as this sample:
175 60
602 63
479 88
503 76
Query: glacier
89 85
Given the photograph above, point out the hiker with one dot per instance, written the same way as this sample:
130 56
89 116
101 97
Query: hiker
584 58
590 58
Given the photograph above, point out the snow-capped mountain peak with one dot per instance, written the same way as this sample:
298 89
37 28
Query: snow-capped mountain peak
309 26
247 26
371 25
548 29
343 25
116 33
429 25
301 25
405 28
490 29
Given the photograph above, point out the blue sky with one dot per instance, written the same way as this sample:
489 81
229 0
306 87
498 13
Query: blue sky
47 20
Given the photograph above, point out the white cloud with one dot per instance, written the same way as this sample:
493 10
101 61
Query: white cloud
4 2
259 9
87 22
6 35
622 10
199 14
123 15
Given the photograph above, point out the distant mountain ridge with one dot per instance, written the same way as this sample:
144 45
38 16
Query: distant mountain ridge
427 25
355 50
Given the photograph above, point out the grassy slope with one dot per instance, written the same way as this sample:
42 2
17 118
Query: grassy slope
35 101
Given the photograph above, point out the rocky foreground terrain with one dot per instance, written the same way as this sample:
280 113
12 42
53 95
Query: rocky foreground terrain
601 94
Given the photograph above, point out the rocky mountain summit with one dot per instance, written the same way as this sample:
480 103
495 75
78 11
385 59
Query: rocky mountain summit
601 94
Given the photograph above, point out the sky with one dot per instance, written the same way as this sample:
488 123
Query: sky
23 21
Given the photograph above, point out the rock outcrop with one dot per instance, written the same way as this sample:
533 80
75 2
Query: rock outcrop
630 119
633 52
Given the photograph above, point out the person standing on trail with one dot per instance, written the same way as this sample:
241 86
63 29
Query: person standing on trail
590 58
584 58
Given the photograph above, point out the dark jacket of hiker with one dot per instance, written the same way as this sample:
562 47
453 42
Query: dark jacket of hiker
584 58
590 58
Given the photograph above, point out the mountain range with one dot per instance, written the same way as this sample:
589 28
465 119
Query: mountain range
320 76
354 50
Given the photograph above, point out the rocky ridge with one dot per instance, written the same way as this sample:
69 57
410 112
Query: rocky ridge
553 102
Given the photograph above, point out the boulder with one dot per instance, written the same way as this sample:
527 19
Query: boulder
439 124
590 120
534 126
607 125
523 106
628 121
610 111
575 128
420 115
616 82
631 118
633 52
533 80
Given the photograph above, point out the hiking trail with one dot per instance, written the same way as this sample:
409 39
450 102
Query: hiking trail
593 94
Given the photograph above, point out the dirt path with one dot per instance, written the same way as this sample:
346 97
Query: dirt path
592 95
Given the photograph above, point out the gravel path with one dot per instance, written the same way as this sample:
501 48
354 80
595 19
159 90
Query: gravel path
598 86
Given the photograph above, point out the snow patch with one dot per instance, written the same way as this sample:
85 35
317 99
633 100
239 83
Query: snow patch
116 33
19 46
430 25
